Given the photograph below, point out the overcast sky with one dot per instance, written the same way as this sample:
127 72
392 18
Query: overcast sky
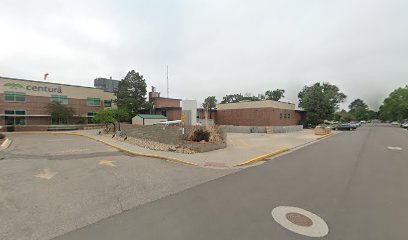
212 47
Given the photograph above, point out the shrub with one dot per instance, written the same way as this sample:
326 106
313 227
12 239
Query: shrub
200 134
2 136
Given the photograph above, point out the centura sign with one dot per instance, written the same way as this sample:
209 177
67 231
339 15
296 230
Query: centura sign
33 88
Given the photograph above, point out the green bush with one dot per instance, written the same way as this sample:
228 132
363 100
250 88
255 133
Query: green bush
200 134
2 136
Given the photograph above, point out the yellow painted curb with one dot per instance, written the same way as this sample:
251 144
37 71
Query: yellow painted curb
118 148
325 136
260 158
138 154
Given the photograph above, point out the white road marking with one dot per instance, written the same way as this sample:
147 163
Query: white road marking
395 148
47 174
318 228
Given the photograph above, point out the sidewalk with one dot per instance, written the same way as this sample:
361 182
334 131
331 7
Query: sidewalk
242 149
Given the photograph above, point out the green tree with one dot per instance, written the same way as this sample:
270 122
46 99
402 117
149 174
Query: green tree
105 116
232 98
395 106
60 113
211 102
120 115
131 93
275 95
320 101
359 110
372 114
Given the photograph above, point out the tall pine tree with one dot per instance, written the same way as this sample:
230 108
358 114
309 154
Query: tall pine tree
131 93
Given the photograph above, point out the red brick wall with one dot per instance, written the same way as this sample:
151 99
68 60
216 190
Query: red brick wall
39 106
171 114
163 103
257 117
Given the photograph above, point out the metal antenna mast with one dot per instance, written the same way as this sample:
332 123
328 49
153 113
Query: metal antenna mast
168 81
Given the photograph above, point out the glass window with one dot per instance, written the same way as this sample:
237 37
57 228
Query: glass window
59 98
14 97
15 117
280 115
93 102
288 115
284 116
90 115
107 103
15 112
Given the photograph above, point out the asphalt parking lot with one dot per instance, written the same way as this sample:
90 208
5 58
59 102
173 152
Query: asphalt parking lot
51 184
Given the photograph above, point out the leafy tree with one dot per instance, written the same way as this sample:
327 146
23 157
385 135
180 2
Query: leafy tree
131 92
232 98
320 101
359 110
211 102
275 95
372 114
120 115
395 106
105 116
60 112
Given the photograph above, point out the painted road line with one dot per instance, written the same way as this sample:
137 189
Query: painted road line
260 158
395 148
109 163
47 174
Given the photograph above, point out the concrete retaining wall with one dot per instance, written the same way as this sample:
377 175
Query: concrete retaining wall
258 129
164 134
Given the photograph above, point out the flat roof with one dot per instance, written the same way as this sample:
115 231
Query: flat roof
28 80
151 116
256 104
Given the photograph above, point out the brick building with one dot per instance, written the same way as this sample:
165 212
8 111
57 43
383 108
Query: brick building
258 113
26 102
168 107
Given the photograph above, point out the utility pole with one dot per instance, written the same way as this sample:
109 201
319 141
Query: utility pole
168 81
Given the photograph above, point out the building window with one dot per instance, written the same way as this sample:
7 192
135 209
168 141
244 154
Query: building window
90 117
280 115
60 99
284 116
15 117
107 103
14 97
93 102
288 115
164 113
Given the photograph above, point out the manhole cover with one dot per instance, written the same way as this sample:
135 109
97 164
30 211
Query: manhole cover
300 221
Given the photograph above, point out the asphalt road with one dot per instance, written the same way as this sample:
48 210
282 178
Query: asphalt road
51 184
351 180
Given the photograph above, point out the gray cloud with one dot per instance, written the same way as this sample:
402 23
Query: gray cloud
211 47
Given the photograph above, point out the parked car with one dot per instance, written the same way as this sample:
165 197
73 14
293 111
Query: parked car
404 125
355 124
345 126
362 122
395 123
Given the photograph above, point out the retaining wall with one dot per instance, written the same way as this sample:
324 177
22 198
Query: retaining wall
259 129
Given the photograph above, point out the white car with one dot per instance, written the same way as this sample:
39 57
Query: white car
404 125
395 123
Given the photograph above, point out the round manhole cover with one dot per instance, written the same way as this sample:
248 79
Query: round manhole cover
300 221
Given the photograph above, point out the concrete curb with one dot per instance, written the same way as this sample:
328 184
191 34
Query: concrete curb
136 153
260 158
116 147
5 144
325 136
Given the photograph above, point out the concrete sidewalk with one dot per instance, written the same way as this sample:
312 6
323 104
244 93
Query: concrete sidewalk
242 149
